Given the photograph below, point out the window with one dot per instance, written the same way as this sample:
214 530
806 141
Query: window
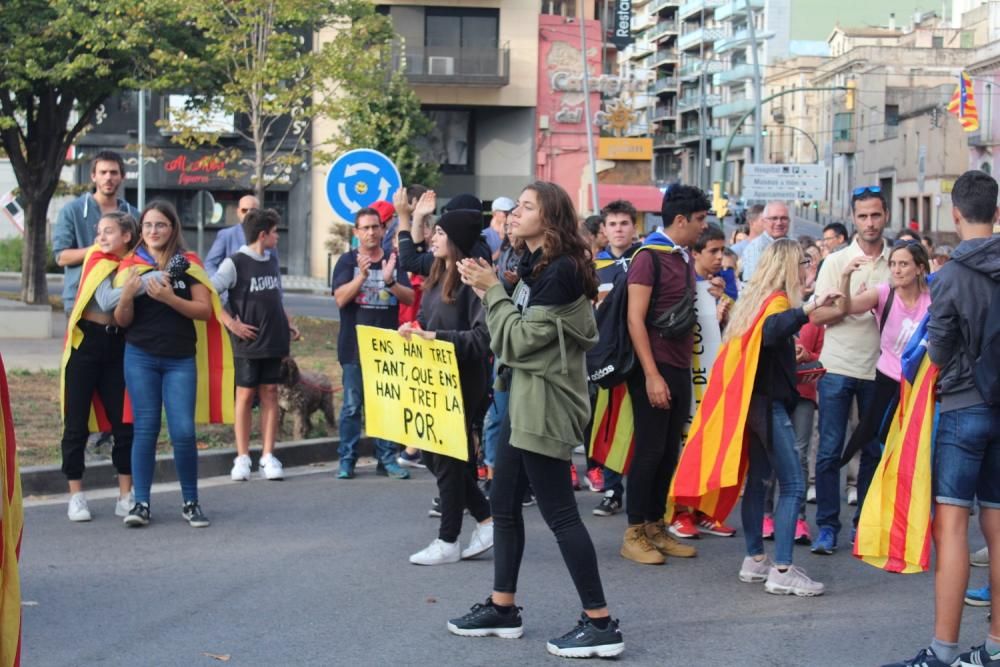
842 127
937 42
449 143
891 121
559 7
463 28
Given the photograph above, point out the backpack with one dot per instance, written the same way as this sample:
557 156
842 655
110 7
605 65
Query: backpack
987 371
612 360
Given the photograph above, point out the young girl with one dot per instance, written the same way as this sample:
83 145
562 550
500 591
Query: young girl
779 278
160 345
92 363
541 333
451 311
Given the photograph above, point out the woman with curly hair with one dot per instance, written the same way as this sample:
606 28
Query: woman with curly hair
541 334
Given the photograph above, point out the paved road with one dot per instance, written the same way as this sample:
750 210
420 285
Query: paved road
313 571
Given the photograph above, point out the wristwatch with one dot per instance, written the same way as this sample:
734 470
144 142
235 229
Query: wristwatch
390 285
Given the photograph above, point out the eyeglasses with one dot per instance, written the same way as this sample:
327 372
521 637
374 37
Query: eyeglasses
368 228
158 226
874 189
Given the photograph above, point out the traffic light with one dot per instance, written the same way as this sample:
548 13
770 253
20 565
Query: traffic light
763 131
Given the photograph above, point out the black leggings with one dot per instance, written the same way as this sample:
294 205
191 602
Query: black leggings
550 480
657 443
95 366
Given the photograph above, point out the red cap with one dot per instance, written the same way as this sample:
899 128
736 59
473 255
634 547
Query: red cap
385 210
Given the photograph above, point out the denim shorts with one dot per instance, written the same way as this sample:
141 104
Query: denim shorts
967 457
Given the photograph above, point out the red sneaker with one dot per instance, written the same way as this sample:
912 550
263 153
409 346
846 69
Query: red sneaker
802 535
574 477
683 526
709 525
482 472
768 529
595 480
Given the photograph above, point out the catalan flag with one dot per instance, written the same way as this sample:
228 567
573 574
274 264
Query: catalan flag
894 531
613 432
963 104
713 463
96 267
11 523
214 352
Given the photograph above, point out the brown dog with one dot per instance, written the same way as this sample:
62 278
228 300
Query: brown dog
303 393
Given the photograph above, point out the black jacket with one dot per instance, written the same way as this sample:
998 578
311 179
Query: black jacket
776 368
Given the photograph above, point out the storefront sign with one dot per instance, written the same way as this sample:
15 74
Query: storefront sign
621 35
625 148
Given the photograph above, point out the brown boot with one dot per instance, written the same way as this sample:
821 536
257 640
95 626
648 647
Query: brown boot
656 533
636 547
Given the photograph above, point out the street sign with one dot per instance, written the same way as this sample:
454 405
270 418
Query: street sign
358 179
787 182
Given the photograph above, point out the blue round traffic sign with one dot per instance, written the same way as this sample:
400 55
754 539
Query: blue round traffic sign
358 179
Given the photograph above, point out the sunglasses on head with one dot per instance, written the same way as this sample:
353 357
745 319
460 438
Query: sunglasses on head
905 243
874 189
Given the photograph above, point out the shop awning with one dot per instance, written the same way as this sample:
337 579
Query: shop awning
645 198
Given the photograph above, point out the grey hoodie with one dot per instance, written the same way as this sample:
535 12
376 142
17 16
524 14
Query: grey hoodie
961 293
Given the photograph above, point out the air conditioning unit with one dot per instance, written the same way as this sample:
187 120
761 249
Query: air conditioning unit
440 65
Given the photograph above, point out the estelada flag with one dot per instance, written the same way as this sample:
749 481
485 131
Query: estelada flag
713 462
214 351
963 104
97 266
11 524
613 431
894 530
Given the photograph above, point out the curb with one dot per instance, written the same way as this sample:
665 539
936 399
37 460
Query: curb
49 479
56 280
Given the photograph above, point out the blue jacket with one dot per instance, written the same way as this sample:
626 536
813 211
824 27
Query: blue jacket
76 227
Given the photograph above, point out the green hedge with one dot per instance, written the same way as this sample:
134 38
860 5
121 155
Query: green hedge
11 251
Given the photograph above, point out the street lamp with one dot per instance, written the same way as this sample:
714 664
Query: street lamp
781 124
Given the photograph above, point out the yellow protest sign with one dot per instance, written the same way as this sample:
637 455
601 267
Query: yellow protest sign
412 391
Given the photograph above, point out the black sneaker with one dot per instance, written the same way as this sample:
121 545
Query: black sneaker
610 504
529 499
979 656
435 509
138 516
925 658
485 620
586 640
192 512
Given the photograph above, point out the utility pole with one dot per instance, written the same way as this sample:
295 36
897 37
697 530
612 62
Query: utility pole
703 181
758 125
589 124
140 181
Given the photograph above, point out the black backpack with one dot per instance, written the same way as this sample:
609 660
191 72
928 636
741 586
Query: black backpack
987 371
612 360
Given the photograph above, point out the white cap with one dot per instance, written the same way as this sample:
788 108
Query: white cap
505 204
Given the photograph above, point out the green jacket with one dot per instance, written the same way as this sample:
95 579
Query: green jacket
545 346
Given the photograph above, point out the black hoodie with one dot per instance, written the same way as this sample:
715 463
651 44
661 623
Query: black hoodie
961 293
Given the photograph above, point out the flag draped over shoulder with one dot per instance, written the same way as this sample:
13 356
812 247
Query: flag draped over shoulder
963 104
97 266
713 462
214 351
11 523
894 530
612 433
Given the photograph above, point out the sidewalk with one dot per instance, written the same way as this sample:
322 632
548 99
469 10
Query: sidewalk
297 284
35 354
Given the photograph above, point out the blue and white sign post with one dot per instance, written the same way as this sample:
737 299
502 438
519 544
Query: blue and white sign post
358 179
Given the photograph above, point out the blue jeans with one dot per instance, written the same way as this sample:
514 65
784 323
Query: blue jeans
835 395
491 426
156 384
967 457
772 447
350 422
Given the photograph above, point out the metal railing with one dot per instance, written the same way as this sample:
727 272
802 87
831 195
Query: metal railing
458 66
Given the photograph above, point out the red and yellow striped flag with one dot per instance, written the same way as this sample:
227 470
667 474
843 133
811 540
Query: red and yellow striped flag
214 351
963 104
96 267
11 524
894 530
713 463
613 429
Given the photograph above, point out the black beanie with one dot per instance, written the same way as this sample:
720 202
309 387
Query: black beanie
463 228
463 201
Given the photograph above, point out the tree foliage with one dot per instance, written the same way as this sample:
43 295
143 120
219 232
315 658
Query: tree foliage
59 60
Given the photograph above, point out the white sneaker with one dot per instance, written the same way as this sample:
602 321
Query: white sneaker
124 504
980 558
852 495
481 541
241 469
78 510
270 468
792 581
438 552
811 495
755 571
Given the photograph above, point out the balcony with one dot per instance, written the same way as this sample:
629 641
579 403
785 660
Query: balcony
665 84
733 108
738 40
641 47
664 56
691 69
691 102
736 8
662 112
694 6
664 139
741 72
695 37
657 5
740 141
979 139
688 134
662 29
453 66
642 21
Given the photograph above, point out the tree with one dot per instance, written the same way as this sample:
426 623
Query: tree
269 72
390 121
59 60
